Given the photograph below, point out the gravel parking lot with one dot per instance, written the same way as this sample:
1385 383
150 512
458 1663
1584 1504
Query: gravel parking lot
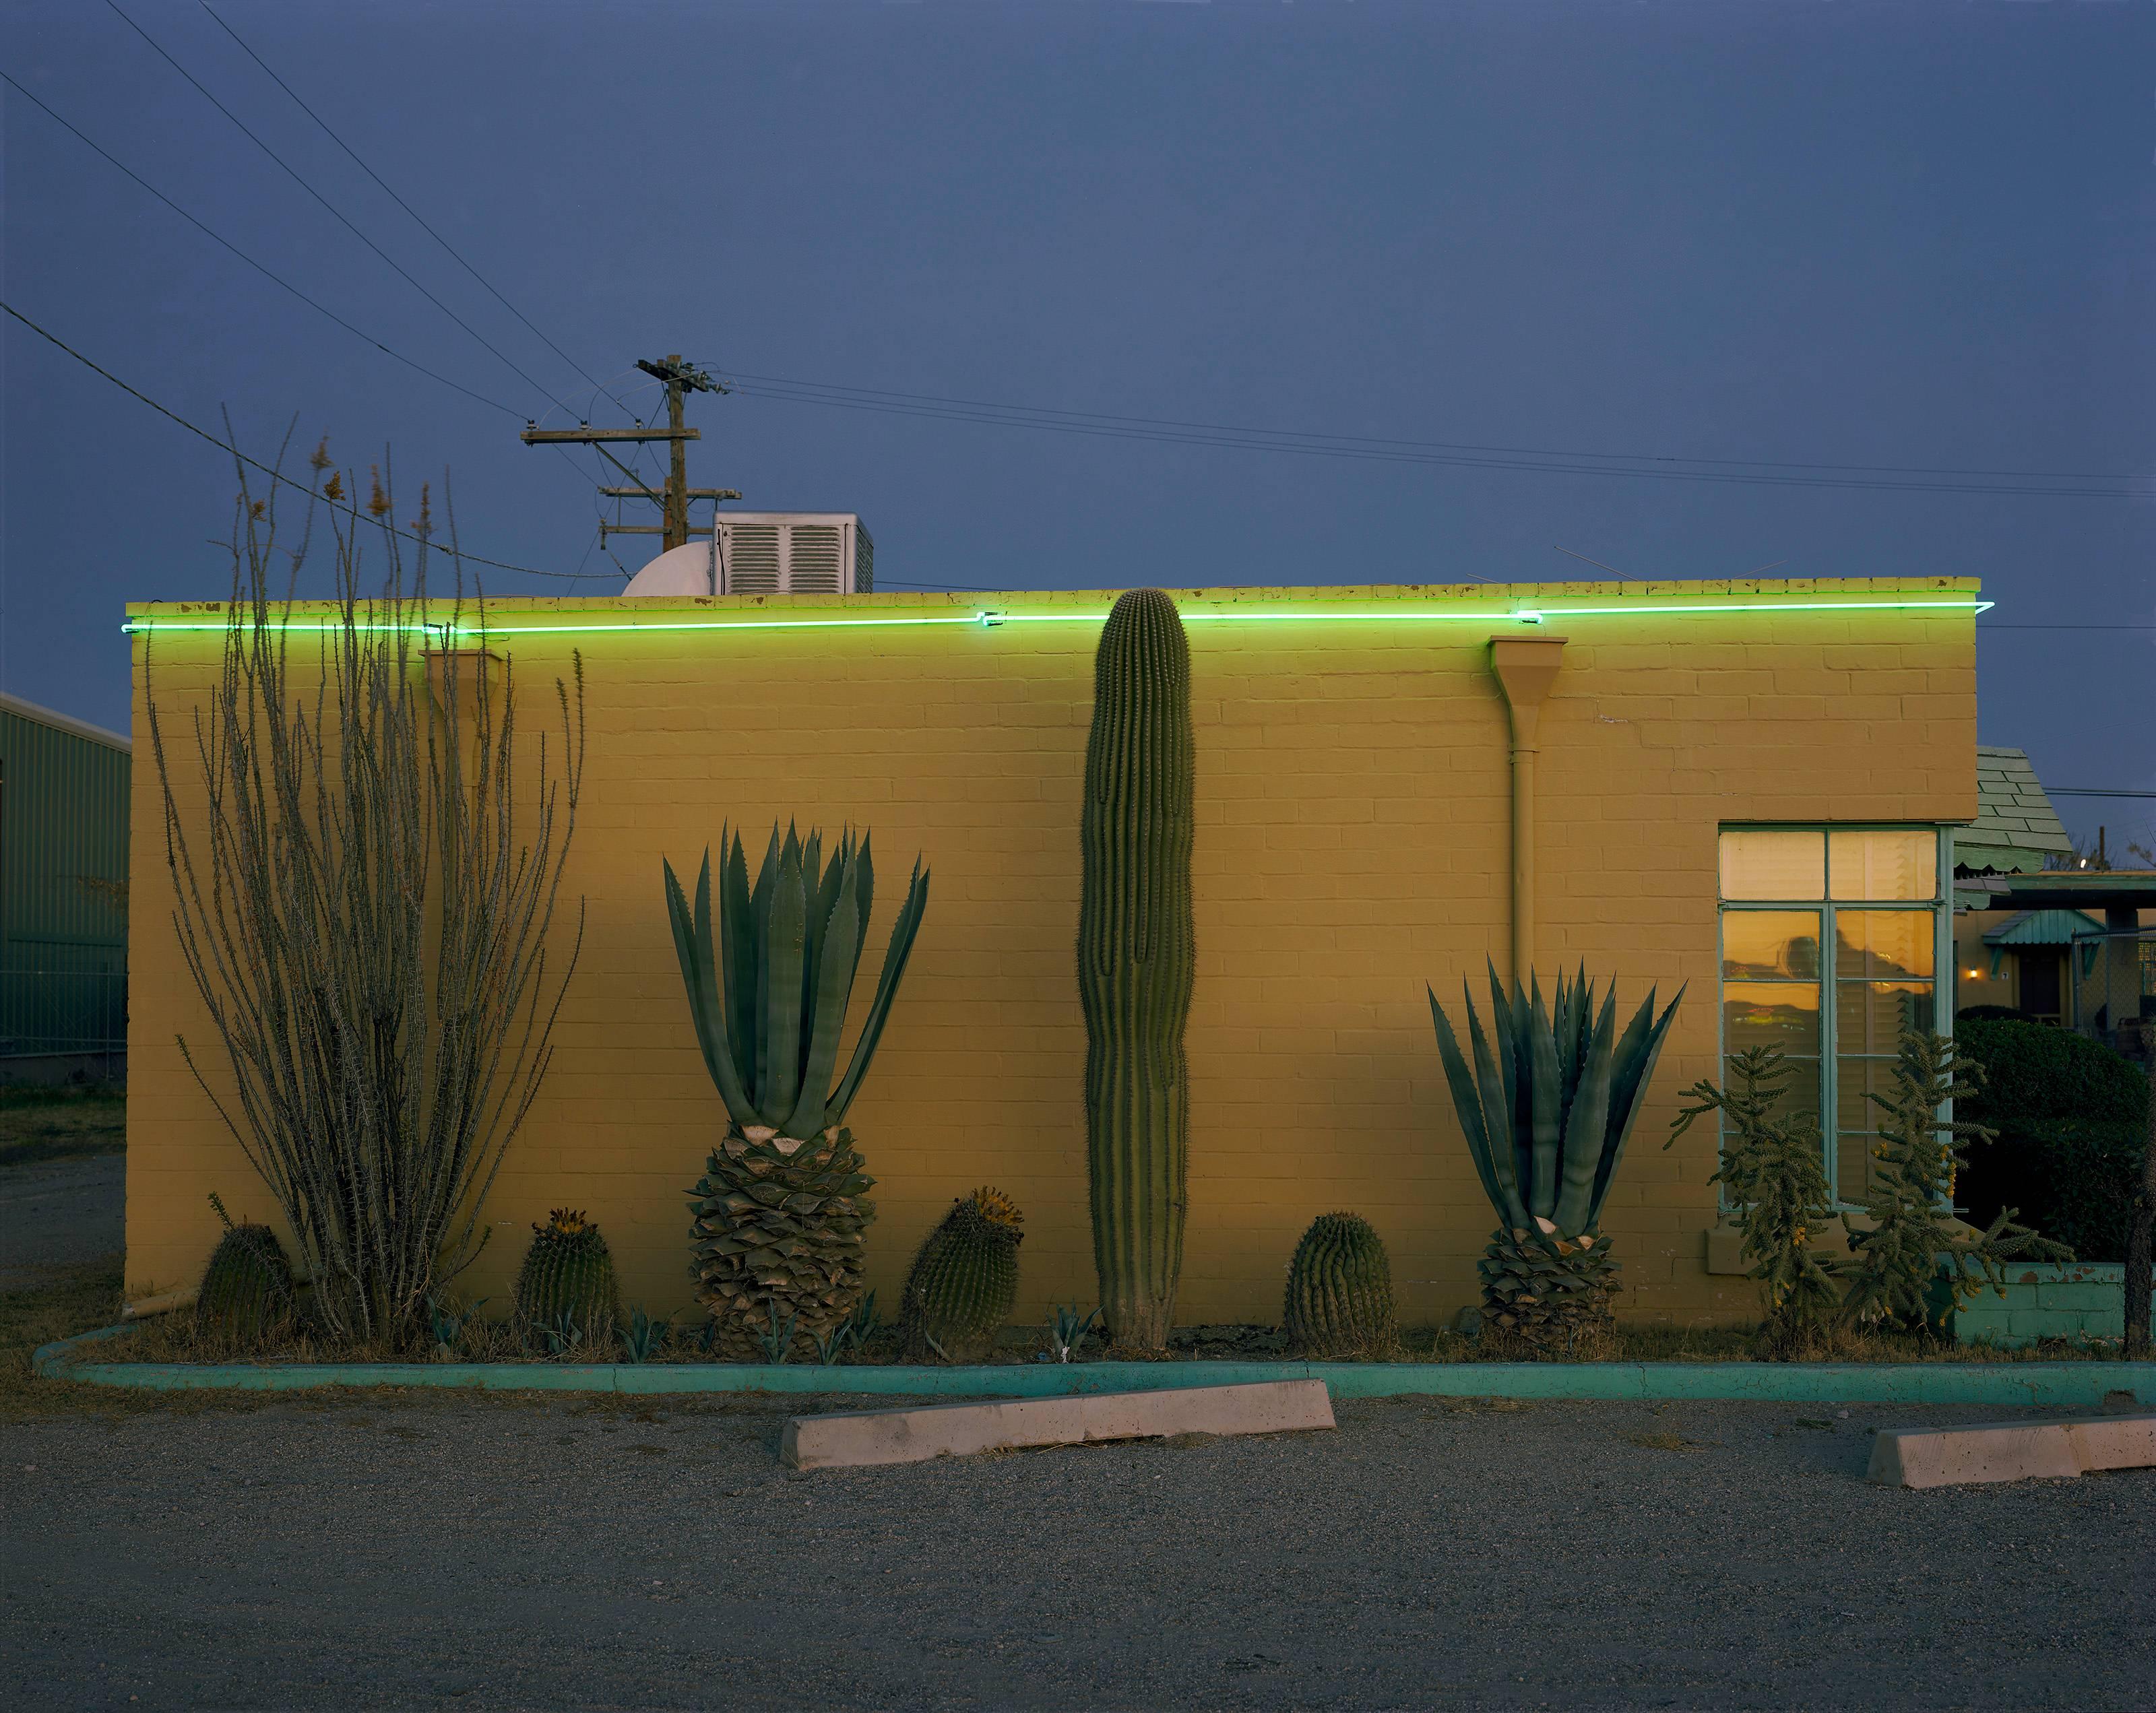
438 1551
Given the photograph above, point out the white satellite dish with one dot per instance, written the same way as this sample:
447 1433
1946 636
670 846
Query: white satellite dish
690 569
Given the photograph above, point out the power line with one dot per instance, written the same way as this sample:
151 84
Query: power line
2082 791
1165 432
597 387
351 510
294 175
1436 445
1984 624
267 273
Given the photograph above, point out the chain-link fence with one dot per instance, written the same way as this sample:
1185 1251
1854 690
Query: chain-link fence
2115 990
58 1023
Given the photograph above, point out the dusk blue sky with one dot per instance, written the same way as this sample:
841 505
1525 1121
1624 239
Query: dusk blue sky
1856 234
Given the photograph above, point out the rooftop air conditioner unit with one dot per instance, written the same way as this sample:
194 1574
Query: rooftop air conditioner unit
767 553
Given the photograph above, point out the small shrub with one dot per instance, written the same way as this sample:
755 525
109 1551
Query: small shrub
2072 1121
2072 1178
643 1337
2033 1074
1068 1329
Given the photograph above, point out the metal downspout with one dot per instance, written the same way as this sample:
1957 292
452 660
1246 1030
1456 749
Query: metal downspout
1525 668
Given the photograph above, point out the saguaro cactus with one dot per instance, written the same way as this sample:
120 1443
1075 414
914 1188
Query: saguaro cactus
1135 962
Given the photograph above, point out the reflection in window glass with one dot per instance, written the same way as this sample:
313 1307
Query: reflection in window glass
1770 1014
1869 1016
1801 1092
1884 944
1879 867
1757 865
1770 944
1854 1163
1854 1081
1876 921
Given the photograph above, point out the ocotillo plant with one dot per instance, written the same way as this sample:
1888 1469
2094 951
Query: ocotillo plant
1134 962
365 876
780 1208
1547 1112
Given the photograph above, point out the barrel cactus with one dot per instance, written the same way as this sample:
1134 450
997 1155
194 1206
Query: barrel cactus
778 1213
1340 1290
247 1290
1136 962
1547 1109
965 1278
567 1271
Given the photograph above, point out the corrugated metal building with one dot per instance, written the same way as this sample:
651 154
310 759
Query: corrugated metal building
63 799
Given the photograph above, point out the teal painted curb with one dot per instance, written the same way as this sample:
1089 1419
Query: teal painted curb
2069 1385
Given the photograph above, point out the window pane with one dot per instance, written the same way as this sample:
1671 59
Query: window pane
1854 1165
1883 945
1875 867
1869 1016
1770 944
1801 1092
1773 865
1770 1014
1853 1079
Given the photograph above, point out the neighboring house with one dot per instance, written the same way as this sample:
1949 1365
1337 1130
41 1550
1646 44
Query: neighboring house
2073 946
64 813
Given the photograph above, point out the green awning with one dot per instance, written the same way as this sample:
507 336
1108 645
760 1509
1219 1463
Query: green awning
2046 927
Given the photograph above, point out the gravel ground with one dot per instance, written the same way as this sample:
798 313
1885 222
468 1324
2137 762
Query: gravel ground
60 1213
401 1551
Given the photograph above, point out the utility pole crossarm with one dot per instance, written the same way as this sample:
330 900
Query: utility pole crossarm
661 493
543 437
679 379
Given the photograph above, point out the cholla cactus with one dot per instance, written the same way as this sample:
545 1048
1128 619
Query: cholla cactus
1772 1171
1893 1266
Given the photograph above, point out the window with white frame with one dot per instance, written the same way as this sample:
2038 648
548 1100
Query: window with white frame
1834 941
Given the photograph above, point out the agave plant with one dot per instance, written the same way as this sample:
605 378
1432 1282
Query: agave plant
779 1210
1547 1109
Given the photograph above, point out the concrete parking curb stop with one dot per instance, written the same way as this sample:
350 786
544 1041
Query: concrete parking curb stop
2011 1451
858 1438
2053 1385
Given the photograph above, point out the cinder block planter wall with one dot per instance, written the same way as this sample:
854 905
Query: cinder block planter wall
2050 1300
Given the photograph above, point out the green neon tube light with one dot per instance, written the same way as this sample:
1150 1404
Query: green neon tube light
993 618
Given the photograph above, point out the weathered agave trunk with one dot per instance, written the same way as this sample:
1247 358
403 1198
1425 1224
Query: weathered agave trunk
1136 962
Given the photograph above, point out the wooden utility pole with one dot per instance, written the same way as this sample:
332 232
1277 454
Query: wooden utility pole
681 379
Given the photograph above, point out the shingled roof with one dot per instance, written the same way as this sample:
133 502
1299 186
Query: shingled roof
2016 828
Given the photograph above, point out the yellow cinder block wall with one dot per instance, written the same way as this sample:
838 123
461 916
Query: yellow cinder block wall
1353 844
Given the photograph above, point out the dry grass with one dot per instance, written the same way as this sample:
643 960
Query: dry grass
60 1123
